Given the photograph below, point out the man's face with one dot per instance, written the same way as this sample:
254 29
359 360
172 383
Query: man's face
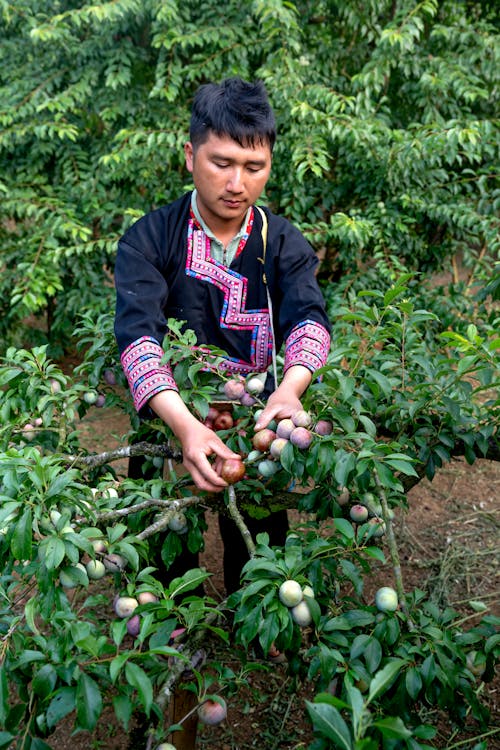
228 178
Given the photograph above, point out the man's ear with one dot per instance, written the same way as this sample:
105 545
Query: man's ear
189 154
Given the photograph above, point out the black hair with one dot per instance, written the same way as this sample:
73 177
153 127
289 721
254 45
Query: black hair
234 108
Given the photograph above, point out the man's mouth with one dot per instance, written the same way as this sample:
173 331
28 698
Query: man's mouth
232 203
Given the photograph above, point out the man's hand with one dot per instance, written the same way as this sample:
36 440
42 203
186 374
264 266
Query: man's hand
286 398
198 441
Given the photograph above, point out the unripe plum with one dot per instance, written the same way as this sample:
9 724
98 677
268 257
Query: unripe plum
114 563
146 597
166 746
301 614
301 418
54 516
125 606
378 527
277 446
90 397
290 593
109 377
110 492
29 431
301 437
223 421
212 712
323 427
308 591
178 522
254 386
285 428
262 439
386 599
476 663
253 456
95 569
134 626
100 546
55 386
358 513
267 468
247 400
66 580
233 469
234 389
344 495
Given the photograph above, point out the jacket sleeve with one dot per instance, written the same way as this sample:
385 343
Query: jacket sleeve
301 315
140 325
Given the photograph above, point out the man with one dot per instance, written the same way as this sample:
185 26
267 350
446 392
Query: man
199 259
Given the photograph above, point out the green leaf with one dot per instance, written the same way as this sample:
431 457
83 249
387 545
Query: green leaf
21 544
413 682
88 702
384 678
4 694
124 708
9 508
138 678
63 702
117 665
188 581
44 681
345 527
330 724
6 739
52 552
344 465
393 728
268 630
373 654
38 744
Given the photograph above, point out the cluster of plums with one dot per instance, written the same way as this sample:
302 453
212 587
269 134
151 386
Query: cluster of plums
297 430
366 510
294 596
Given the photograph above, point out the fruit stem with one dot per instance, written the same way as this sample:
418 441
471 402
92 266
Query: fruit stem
240 523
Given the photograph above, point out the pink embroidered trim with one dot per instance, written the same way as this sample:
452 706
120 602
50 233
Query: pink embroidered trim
201 265
141 362
308 344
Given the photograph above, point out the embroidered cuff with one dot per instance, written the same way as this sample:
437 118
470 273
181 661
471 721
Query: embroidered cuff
308 344
141 362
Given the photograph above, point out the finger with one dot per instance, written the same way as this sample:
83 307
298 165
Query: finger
209 472
265 417
207 480
222 451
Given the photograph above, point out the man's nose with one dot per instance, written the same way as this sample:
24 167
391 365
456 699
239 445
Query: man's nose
235 180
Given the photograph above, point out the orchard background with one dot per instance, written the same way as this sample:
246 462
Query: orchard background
387 159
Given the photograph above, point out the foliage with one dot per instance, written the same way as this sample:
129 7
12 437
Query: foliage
402 396
387 144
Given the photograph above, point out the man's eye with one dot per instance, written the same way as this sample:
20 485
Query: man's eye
220 164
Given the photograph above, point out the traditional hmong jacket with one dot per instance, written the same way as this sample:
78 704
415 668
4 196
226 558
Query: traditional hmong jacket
164 269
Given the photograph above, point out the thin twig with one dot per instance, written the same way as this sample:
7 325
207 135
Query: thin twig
240 523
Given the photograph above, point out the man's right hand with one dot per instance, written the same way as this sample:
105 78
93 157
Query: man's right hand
198 441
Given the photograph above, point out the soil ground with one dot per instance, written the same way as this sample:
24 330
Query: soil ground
449 544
